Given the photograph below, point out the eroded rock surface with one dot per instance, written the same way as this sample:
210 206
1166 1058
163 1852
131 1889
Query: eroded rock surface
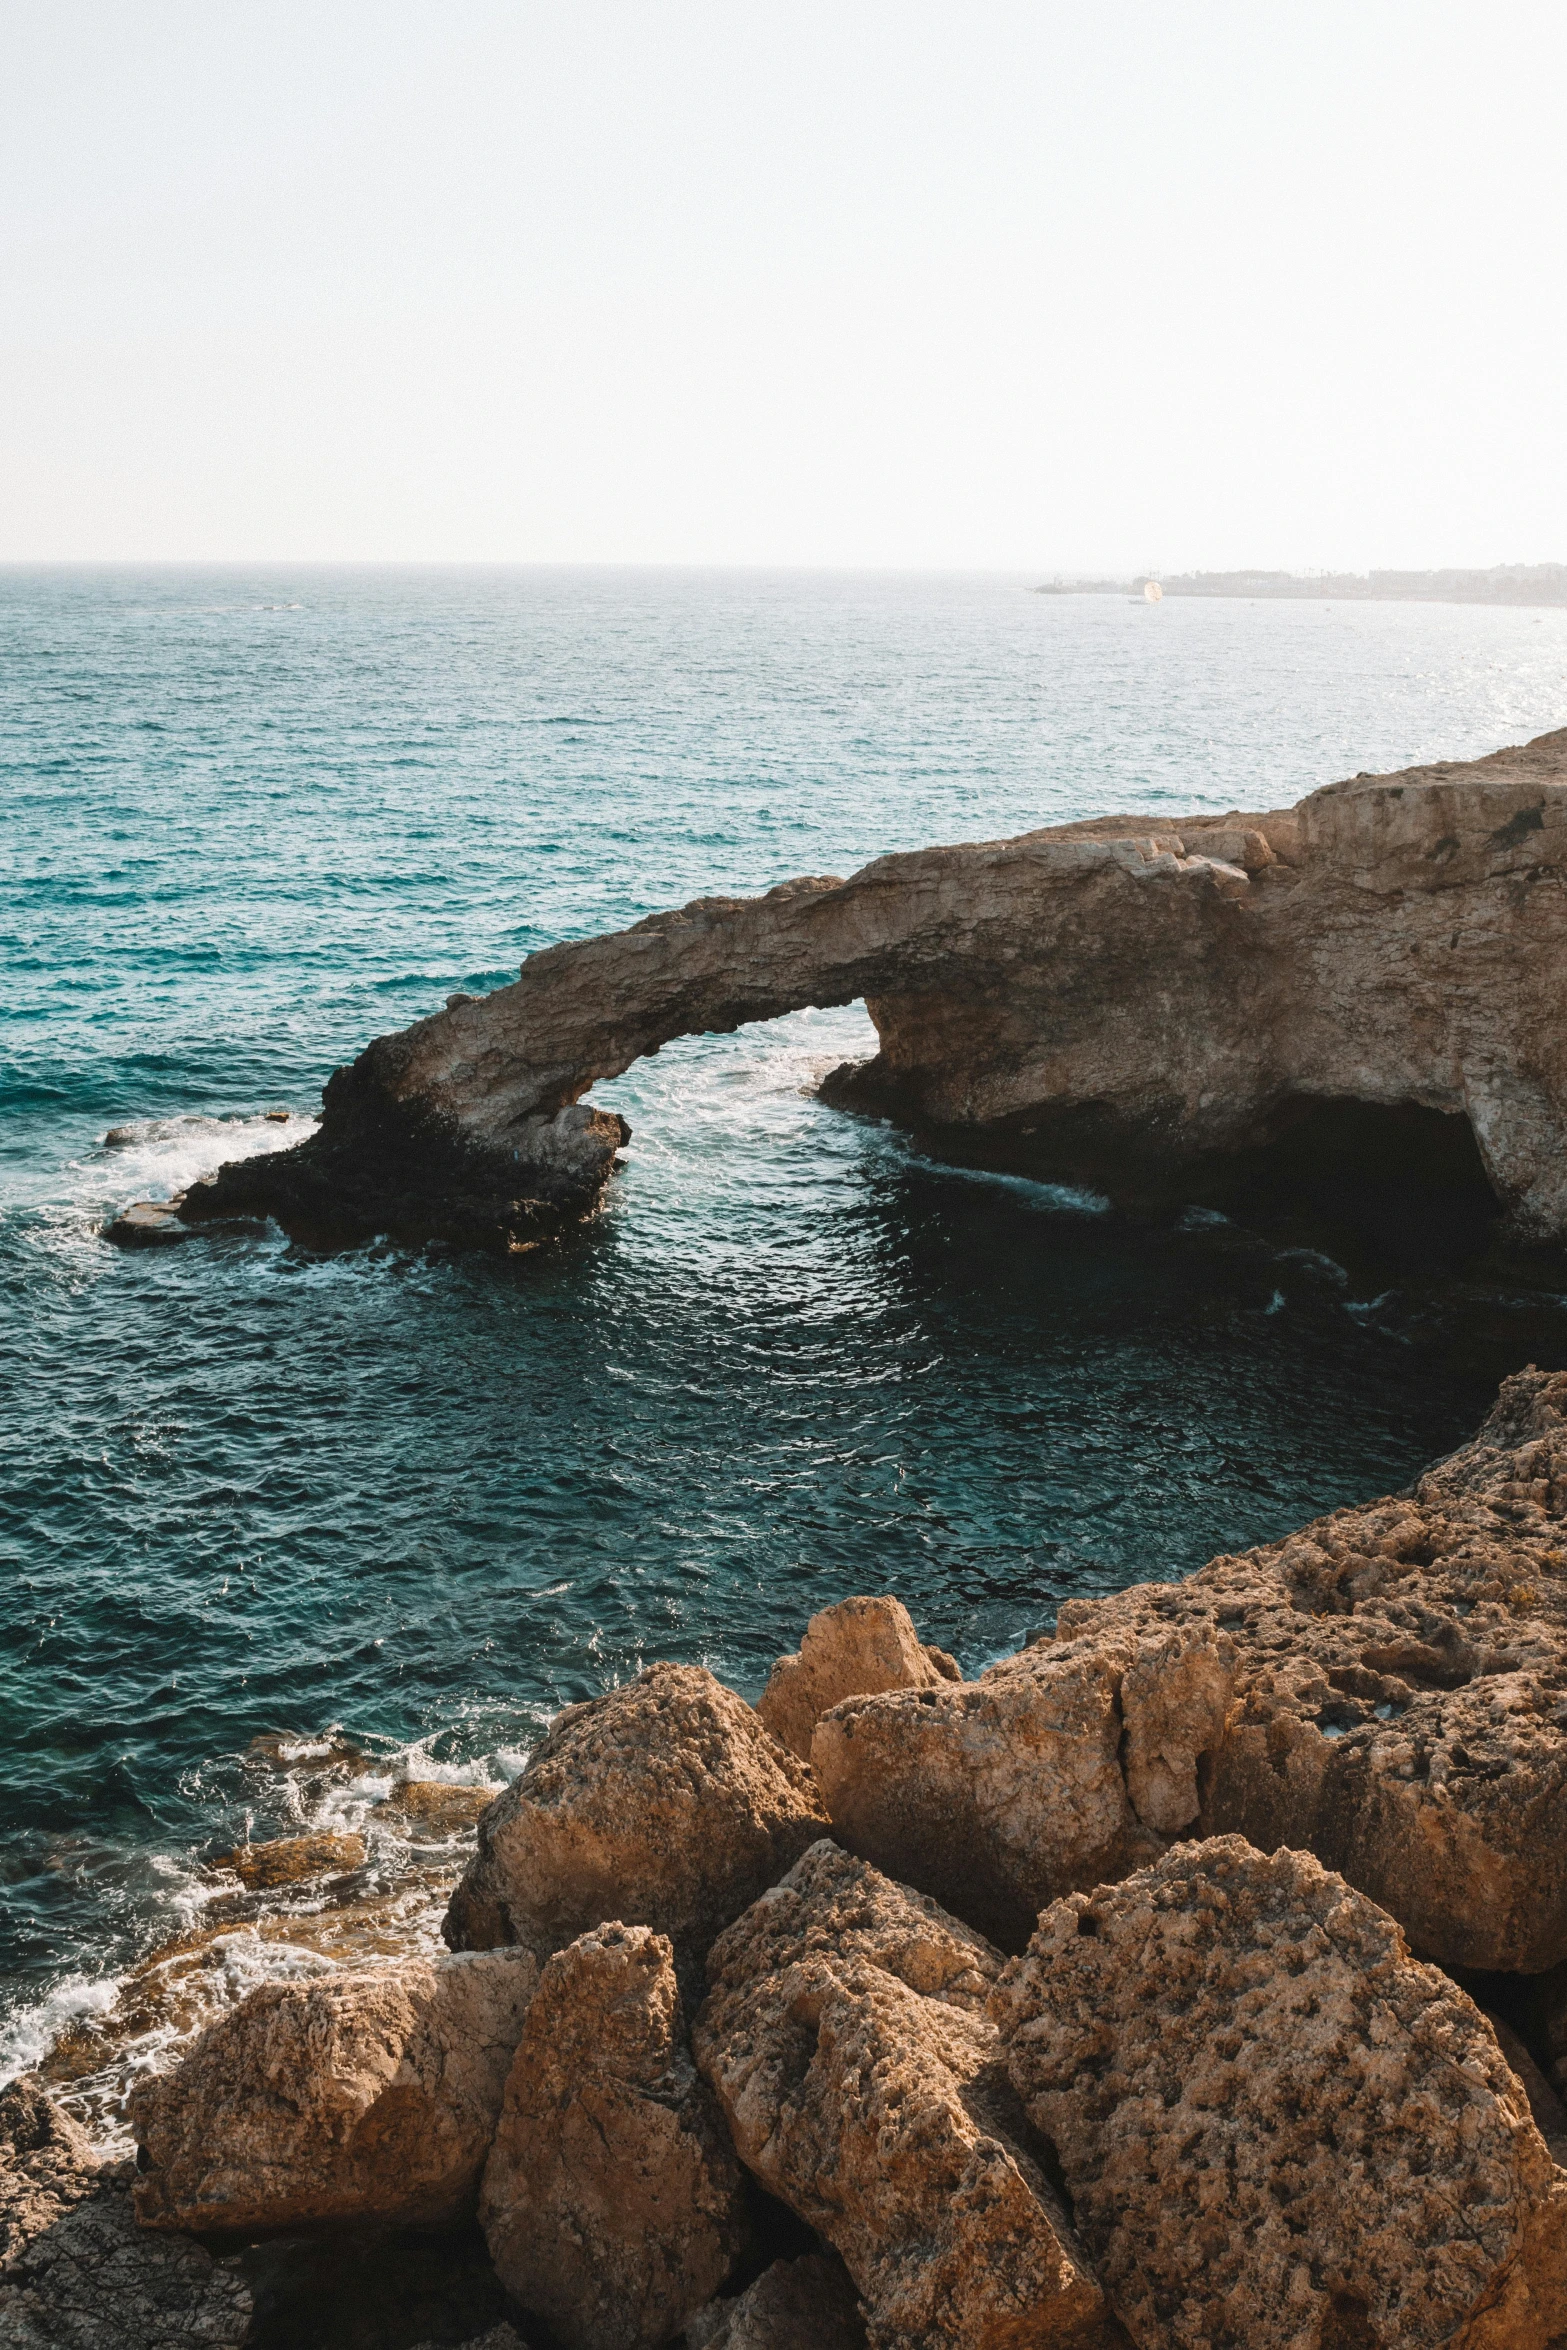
612 2203
847 2039
1279 2131
1117 995
854 1649
368 2096
76 2273
807 2304
665 1803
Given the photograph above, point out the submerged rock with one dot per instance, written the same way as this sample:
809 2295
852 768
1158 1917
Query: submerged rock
806 2304
665 1803
1279 2131
75 2271
612 2202
846 2037
354 2097
859 1646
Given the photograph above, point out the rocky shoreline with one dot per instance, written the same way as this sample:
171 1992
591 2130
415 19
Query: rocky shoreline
1196 1976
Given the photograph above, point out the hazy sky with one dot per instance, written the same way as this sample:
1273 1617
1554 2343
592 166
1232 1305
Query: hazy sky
1043 286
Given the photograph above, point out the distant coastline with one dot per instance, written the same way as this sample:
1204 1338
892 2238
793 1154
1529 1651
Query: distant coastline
1503 583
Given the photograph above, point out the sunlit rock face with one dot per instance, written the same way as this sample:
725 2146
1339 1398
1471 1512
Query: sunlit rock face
1376 972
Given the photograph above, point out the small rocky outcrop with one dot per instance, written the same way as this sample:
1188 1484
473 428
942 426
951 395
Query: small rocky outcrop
1120 1001
863 2085
806 2304
664 1804
612 2201
1065 1764
353 2097
75 2271
858 1647
292 1860
1278 2130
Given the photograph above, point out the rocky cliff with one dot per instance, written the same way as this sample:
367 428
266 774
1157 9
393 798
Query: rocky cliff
1118 1001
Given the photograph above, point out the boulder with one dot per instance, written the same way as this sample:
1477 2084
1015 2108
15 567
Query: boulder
612 2202
357 2096
665 1804
75 2271
1279 2130
806 2304
438 1807
855 1648
847 2038
1065 1764
292 1860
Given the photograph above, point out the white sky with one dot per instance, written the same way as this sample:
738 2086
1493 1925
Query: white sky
1052 286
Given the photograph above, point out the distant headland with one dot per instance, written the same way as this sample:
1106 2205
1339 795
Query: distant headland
1503 583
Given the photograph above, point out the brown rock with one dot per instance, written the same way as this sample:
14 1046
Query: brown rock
438 1806
75 2272
612 2203
807 2304
354 2097
853 1649
664 1804
1278 2130
864 2086
1057 1767
1121 1001
291 1860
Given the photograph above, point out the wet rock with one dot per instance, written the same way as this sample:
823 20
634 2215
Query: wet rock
148 1223
612 2201
350 2098
863 2084
1400 1690
438 1806
806 2304
665 1803
1062 1765
75 2271
501 2337
292 1860
858 1647
1279 2130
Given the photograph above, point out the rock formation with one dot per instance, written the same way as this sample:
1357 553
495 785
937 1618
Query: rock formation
1386 1688
612 2202
862 2082
75 2271
1277 2129
352 2097
664 1804
859 1646
1113 1000
806 2304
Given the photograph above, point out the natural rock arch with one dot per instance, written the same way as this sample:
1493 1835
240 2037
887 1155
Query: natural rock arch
1115 995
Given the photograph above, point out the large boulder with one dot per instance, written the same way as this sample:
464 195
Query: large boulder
76 2273
665 1804
806 2304
1060 1766
1280 2131
612 2203
847 2038
368 2096
851 1650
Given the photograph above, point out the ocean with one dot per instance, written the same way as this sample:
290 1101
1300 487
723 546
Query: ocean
278 1529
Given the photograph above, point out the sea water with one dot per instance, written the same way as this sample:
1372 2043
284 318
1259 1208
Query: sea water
278 1528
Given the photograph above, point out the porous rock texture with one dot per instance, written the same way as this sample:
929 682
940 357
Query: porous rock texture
805 2304
1386 1688
355 2096
665 1803
847 2037
1116 994
1278 2130
855 1648
612 2201
1069 1762
75 2271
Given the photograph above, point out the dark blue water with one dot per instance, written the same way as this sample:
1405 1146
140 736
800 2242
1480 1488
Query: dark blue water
254 818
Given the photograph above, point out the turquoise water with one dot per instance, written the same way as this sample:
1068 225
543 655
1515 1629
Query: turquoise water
254 818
